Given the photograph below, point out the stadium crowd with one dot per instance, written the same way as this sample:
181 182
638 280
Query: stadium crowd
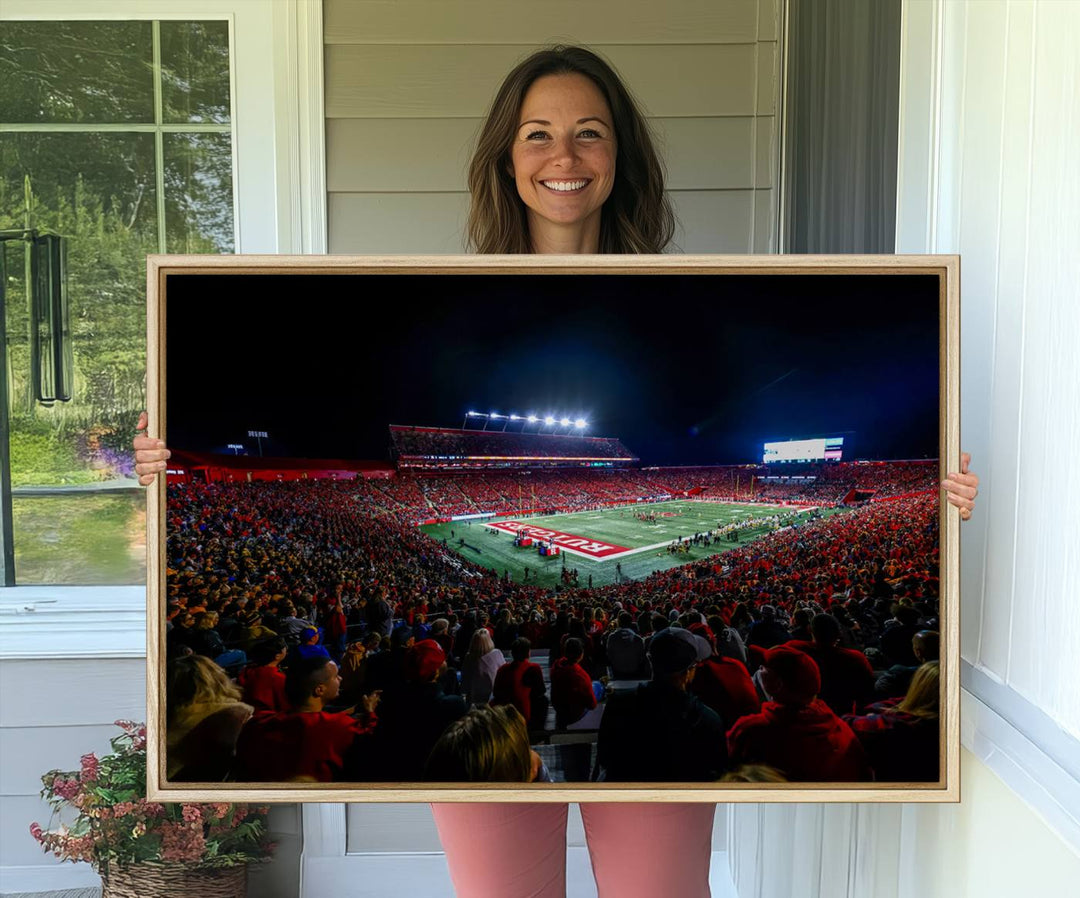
315 634
428 496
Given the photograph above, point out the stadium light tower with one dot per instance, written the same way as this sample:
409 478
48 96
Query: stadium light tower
580 423
467 416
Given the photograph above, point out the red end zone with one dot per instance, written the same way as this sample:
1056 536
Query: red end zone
580 544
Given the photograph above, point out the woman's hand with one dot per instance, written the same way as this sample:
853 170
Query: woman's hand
962 488
150 454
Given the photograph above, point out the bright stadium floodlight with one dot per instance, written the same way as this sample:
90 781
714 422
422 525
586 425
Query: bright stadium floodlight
549 420
579 423
532 419
515 418
565 422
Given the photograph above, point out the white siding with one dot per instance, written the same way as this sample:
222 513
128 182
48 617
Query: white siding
408 83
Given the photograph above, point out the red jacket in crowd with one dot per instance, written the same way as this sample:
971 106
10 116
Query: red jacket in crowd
725 686
264 688
521 684
298 746
571 692
847 678
806 743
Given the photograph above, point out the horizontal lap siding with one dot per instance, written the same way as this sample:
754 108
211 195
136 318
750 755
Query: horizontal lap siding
408 84
524 22
84 697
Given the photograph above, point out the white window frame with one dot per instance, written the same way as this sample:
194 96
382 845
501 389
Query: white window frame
279 178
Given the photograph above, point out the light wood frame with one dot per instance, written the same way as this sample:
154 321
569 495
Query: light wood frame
947 268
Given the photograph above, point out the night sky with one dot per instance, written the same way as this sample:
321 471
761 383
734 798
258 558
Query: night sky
685 369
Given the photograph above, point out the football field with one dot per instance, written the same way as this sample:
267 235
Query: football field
605 545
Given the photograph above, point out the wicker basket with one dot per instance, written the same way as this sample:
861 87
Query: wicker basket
173 881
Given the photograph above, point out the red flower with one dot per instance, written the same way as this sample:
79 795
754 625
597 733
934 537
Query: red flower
89 767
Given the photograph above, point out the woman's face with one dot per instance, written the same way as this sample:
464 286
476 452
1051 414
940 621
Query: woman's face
563 154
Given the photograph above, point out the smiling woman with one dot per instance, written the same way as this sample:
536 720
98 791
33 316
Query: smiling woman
565 163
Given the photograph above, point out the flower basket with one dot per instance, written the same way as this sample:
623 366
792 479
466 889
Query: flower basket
173 881
149 849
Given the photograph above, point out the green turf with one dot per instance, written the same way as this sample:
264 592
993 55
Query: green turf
618 526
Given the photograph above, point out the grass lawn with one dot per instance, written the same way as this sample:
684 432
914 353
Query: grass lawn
80 539
615 526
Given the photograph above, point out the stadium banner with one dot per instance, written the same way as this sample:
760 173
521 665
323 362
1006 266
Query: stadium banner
470 456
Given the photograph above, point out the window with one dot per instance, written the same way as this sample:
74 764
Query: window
118 136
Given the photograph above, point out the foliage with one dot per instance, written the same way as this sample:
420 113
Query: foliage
115 824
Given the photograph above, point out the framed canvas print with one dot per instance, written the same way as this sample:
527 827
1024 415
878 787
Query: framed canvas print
554 528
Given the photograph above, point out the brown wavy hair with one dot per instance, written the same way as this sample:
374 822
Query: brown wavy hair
487 745
637 216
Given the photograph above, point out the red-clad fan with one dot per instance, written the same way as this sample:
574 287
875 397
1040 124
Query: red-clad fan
521 684
307 744
796 732
263 682
847 679
571 686
723 683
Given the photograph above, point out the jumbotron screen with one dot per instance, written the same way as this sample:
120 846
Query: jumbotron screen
827 449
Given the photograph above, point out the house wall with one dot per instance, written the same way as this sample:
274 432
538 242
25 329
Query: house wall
408 83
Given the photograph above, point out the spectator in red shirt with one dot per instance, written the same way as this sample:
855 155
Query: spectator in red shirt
307 744
571 686
796 732
263 682
722 683
521 684
847 678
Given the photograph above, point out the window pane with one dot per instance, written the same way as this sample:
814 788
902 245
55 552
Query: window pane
98 191
76 72
198 193
81 539
195 71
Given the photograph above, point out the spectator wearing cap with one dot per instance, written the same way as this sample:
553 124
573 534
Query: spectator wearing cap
625 651
926 646
307 743
414 716
571 686
722 683
847 679
309 645
660 732
796 732
253 628
521 684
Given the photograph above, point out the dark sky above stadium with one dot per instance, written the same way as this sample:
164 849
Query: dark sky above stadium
685 369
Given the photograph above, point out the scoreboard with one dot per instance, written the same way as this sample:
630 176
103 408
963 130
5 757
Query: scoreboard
825 449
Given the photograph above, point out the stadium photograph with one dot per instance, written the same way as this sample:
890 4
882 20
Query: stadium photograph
508 530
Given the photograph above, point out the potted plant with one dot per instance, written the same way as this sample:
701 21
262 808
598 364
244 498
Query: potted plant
142 847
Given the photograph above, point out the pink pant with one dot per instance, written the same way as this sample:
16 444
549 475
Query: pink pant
641 850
